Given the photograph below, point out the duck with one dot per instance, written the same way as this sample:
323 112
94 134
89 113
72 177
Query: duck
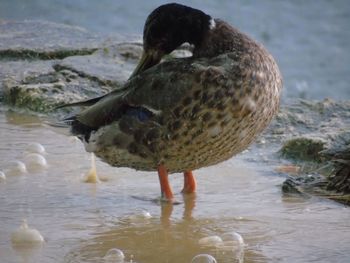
181 114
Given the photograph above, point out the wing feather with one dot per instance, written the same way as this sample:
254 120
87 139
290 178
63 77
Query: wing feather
158 90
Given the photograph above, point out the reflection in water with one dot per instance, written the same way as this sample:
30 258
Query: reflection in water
22 119
163 240
167 209
28 252
81 222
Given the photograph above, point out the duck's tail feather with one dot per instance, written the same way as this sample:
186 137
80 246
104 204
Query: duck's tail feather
83 103
70 126
60 126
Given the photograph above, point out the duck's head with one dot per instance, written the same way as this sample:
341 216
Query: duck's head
169 26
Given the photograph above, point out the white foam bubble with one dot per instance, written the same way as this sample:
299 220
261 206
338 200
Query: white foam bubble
114 255
35 147
233 237
35 161
233 242
203 258
212 241
26 235
140 215
16 168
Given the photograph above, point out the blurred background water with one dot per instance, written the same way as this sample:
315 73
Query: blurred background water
309 39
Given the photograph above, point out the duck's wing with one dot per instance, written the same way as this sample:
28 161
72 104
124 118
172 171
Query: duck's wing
165 85
153 92
106 109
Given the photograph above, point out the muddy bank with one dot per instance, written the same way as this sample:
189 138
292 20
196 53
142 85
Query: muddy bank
43 65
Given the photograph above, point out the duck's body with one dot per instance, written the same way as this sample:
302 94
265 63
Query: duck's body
184 114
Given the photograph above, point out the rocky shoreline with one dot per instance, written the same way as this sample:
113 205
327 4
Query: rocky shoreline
315 137
43 65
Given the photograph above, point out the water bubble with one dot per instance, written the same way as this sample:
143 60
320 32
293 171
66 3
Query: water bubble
140 215
2 176
210 241
26 235
233 243
35 161
114 255
35 147
145 214
233 238
203 258
16 168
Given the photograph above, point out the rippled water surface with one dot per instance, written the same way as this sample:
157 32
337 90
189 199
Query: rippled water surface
81 222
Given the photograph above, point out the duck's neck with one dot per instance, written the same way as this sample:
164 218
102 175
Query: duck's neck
222 38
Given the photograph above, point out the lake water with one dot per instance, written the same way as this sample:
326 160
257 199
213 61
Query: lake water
80 222
309 39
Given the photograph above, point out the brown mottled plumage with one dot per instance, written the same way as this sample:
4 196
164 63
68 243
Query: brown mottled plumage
184 114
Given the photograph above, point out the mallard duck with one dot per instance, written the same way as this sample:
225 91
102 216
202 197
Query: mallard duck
182 114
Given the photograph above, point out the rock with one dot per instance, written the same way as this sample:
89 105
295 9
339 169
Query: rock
340 180
335 187
339 154
304 184
308 124
37 86
304 149
318 118
320 143
110 65
13 73
44 40
66 64
339 146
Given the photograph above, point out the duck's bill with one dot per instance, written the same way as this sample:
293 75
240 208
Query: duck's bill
147 60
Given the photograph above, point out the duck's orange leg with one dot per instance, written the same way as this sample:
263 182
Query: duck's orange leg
190 184
164 183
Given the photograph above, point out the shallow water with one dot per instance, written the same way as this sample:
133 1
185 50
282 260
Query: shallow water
81 222
309 39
